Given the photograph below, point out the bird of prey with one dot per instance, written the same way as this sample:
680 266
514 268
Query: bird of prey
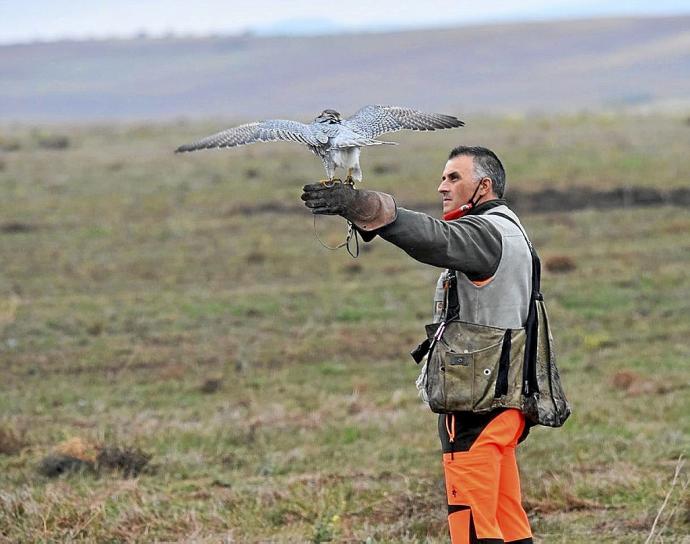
336 141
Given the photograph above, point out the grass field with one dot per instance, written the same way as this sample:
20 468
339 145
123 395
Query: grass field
143 306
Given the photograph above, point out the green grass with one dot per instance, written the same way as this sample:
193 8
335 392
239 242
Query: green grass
137 278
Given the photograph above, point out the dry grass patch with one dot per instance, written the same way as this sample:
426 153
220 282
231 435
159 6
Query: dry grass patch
634 384
566 502
12 440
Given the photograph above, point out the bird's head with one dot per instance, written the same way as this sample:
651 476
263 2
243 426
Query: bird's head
328 116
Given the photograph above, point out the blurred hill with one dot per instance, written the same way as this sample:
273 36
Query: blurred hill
530 67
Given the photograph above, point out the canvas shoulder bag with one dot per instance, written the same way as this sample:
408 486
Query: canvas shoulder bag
544 400
478 368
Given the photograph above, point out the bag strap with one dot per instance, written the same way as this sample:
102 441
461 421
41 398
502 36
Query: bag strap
529 370
452 300
536 263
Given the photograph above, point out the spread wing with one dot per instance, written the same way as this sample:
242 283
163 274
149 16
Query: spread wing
264 131
373 120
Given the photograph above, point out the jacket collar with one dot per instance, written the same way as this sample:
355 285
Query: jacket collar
486 206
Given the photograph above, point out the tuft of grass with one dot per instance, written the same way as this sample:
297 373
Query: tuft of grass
12 441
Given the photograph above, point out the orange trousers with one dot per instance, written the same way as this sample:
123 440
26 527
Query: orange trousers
482 480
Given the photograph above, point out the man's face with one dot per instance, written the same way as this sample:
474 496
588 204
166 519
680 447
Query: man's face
457 182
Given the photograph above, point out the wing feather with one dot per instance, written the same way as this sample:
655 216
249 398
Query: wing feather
373 120
264 131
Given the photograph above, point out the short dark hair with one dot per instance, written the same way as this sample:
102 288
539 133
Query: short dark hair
486 165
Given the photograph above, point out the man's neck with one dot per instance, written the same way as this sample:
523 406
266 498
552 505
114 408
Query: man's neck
486 205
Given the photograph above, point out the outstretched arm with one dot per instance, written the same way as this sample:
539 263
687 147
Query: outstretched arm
471 245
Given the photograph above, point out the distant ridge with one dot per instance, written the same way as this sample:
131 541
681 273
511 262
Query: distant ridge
560 66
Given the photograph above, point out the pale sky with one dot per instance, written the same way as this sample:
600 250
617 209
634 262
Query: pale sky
22 21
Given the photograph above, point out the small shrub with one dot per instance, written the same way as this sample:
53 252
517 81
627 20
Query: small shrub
211 385
634 384
116 166
9 144
256 257
55 465
129 461
53 141
381 168
624 379
16 227
353 268
79 455
560 264
325 529
251 173
11 441
95 329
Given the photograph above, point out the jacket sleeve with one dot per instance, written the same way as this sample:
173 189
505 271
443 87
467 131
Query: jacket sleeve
471 245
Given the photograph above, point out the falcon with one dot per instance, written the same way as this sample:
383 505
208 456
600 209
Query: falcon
336 141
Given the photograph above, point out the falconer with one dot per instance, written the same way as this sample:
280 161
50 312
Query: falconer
481 244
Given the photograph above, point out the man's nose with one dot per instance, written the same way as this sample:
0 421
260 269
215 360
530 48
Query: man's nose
442 188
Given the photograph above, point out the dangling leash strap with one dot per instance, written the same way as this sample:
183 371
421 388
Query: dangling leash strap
349 237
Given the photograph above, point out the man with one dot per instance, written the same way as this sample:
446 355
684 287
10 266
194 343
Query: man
492 262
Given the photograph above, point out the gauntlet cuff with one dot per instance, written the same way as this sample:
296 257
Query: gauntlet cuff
372 210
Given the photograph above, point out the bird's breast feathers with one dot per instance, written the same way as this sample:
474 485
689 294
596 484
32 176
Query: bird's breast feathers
346 157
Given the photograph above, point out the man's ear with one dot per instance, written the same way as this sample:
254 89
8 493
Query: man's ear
487 186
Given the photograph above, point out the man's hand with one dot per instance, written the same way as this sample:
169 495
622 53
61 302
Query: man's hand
369 210
329 200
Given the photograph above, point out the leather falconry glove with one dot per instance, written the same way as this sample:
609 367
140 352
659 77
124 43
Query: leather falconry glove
368 210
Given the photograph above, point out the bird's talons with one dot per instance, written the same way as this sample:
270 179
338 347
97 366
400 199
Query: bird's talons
330 182
349 181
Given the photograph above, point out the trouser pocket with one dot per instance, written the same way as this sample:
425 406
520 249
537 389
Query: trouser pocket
472 480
